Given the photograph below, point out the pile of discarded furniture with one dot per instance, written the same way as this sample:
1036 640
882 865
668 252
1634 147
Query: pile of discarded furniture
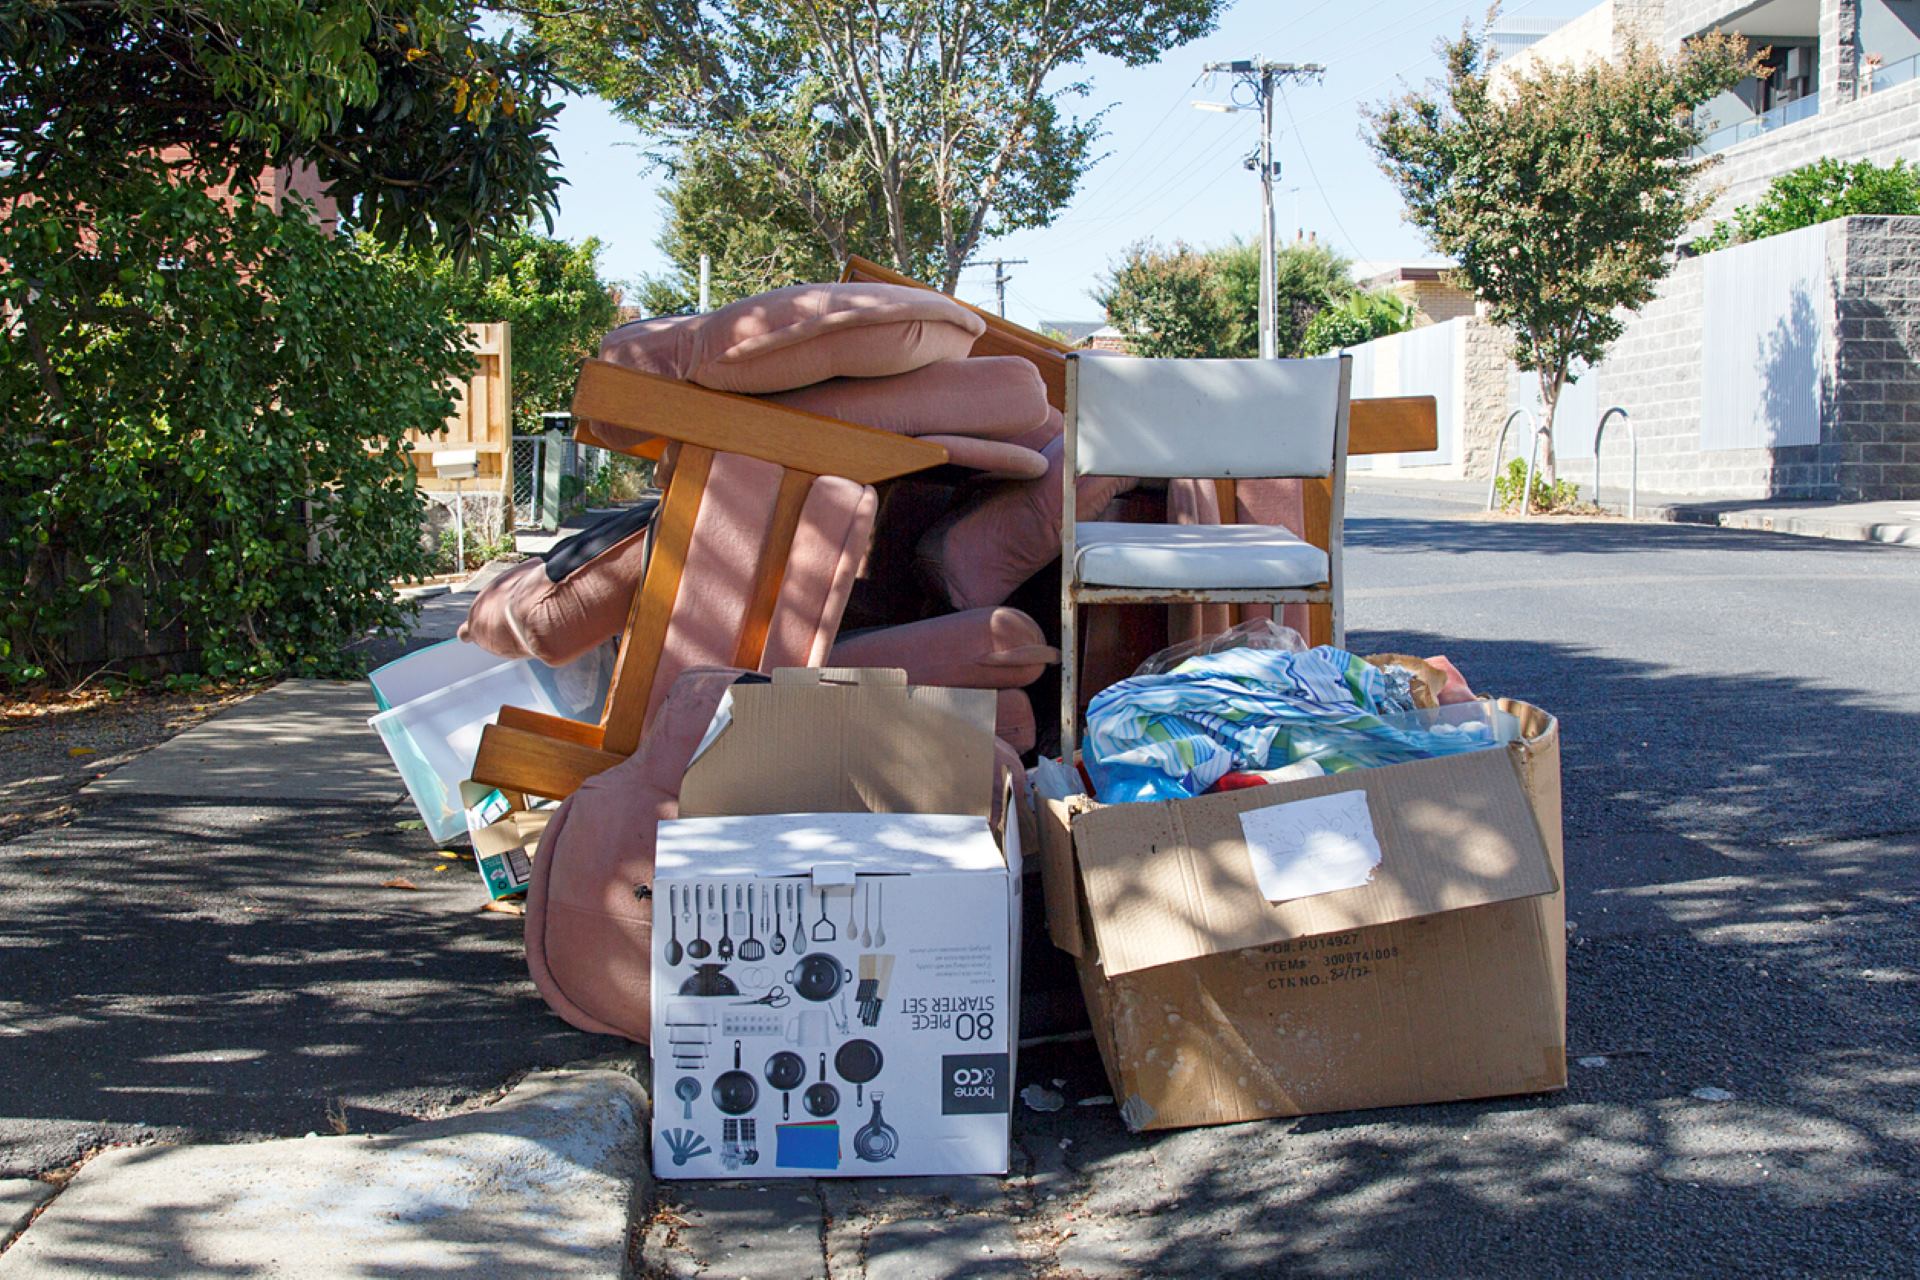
814 695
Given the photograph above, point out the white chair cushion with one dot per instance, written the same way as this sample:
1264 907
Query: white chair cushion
1194 556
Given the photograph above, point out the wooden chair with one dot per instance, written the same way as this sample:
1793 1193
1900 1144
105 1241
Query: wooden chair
1382 424
533 753
1180 419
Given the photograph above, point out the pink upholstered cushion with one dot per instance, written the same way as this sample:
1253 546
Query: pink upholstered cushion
979 555
709 614
994 459
978 649
1013 720
589 939
989 398
798 336
523 614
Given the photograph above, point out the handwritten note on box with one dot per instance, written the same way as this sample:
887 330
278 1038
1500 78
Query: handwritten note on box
1320 845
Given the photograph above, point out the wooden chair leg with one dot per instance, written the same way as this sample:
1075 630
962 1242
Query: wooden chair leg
646 631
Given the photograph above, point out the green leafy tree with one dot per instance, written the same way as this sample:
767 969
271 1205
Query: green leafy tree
551 292
1308 277
424 128
756 238
1560 194
1190 302
206 408
1359 317
1820 192
909 131
1170 303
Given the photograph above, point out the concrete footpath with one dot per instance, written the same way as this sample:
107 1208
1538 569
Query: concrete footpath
1893 522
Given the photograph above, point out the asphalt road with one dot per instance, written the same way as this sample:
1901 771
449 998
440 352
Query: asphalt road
1740 715
1741 721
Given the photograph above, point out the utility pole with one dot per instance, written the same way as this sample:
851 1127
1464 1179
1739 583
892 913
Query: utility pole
1263 78
1001 278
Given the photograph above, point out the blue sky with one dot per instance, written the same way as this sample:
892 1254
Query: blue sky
1171 172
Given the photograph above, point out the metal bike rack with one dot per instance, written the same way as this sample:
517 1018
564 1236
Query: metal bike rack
1633 460
1499 447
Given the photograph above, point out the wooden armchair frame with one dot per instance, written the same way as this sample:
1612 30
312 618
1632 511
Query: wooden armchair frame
537 754
1381 424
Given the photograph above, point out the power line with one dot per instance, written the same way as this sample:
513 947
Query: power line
1308 157
1140 146
1000 277
1139 202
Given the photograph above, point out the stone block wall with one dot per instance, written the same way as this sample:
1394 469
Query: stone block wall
1875 403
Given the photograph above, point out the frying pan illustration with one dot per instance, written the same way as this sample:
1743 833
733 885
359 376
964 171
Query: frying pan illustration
821 1098
735 1091
786 1071
858 1062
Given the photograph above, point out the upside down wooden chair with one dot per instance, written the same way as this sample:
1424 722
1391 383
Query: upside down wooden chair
719 435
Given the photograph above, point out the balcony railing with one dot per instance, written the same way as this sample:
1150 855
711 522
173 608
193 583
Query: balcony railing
1779 117
1895 73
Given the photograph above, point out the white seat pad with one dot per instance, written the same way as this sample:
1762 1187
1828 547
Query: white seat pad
1195 556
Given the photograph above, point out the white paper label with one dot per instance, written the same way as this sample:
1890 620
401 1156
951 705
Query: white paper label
1304 847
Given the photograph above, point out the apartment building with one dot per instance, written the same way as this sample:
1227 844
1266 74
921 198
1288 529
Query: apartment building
1841 78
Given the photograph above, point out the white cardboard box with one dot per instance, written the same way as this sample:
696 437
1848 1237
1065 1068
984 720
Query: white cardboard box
894 1033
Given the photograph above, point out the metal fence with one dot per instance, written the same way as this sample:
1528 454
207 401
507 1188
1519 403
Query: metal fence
552 475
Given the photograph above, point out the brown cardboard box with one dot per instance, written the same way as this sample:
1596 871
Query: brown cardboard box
1442 978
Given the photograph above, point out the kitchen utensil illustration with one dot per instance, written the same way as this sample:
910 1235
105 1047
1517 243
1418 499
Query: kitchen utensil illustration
807 1145
879 938
779 926
726 934
823 930
853 929
858 1062
752 948
821 1098
687 1090
817 977
763 1023
685 1144
777 998
786 1071
738 1144
674 949
799 923
808 1029
735 1091
876 1140
876 973
866 913
699 948
709 980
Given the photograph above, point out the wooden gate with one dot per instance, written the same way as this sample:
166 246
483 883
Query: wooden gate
482 417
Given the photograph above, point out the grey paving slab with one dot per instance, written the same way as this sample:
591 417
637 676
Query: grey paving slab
301 740
214 972
749 1230
19 1197
542 1183
939 1248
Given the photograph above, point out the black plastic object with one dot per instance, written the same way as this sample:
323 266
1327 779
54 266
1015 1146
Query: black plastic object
735 1091
877 1140
571 555
818 977
709 980
858 1061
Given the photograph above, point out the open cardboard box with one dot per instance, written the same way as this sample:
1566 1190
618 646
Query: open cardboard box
1441 978
835 792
